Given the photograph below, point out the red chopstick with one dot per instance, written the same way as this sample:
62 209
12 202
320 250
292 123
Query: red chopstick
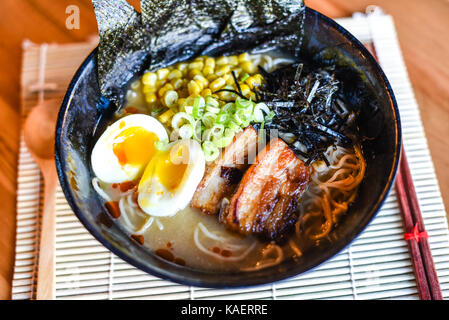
416 235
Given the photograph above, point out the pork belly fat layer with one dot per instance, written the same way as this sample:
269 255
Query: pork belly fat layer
223 175
265 202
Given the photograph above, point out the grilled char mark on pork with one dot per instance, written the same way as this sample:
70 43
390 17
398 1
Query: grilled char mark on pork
265 202
223 175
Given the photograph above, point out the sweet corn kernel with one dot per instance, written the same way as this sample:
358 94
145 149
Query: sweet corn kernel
259 76
160 84
223 95
206 92
248 67
162 73
211 77
237 71
226 95
209 62
196 65
170 98
190 100
150 98
182 66
166 116
201 80
222 70
194 72
222 60
217 84
245 89
252 96
253 82
193 87
164 89
208 70
174 74
177 83
182 102
200 58
149 89
228 78
233 60
244 57
149 79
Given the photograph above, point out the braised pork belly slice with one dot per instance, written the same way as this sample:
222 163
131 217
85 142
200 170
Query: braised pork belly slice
223 175
265 202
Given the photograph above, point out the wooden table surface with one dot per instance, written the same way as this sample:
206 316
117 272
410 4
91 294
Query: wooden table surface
422 28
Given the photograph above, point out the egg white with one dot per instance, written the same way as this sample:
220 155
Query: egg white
156 199
105 163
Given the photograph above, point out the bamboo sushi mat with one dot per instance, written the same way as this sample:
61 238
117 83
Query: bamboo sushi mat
376 266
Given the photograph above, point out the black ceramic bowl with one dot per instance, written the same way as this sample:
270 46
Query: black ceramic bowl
80 114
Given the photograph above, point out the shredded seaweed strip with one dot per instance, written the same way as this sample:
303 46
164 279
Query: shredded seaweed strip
308 110
306 107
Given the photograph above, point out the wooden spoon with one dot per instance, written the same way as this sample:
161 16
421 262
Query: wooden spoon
39 135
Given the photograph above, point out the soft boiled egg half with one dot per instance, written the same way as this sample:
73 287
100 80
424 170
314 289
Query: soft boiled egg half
171 178
126 147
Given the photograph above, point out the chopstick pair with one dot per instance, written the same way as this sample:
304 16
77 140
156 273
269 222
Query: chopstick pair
416 235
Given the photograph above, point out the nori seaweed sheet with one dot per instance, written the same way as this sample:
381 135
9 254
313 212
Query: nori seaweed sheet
166 32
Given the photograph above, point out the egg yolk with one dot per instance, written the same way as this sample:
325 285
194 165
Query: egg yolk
169 174
134 146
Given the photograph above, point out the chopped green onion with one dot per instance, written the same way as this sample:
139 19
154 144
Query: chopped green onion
180 118
189 109
244 77
161 145
262 106
232 125
197 129
156 111
214 126
243 103
222 118
211 152
186 131
258 115
171 98
236 119
242 117
198 107
228 108
261 126
259 110
212 109
218 129
208 119
207 135
270 116
224 140
211 101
